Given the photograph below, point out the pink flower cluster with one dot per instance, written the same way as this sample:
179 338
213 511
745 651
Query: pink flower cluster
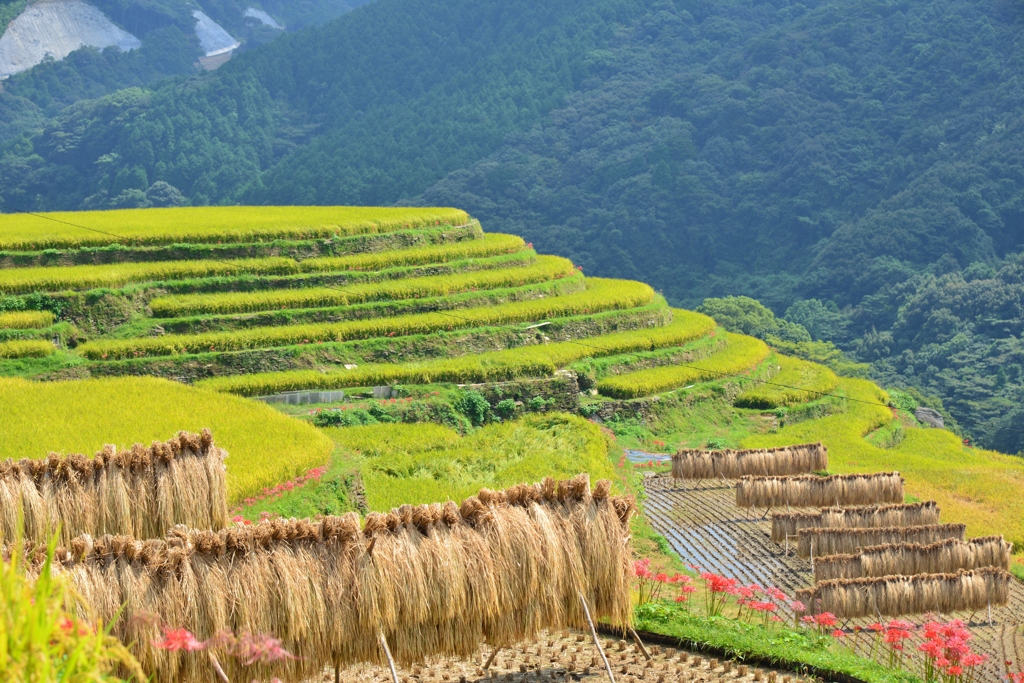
651 464
247 648
650 585
274 492
947 653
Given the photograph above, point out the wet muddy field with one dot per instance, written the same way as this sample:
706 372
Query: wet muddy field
703 524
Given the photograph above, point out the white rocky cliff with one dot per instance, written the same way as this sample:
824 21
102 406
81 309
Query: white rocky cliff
262 17
212 37
57 28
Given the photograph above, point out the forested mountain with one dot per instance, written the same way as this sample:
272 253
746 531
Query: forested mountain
856 165
169 48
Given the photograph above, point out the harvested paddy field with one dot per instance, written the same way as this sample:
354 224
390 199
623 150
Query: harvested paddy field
705 527
573 657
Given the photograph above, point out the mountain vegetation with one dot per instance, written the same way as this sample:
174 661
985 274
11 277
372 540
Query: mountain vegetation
856 166
170 49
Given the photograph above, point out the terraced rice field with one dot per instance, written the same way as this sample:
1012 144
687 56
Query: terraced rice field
704 526
572 657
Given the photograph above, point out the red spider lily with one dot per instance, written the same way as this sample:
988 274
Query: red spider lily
649 584
717 589
839 634
825 620
179 639
250 649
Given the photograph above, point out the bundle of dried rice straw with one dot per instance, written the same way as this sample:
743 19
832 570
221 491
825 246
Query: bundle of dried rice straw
813 491
907 559
434 579
730 464
822 542
141 492
892 596
787 524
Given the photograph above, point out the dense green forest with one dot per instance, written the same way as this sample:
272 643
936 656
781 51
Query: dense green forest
858 166
169 49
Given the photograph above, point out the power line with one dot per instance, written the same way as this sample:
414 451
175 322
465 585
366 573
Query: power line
519 329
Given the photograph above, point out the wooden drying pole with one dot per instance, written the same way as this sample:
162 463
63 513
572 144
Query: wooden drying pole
387 653
490 660
639 643
216 667
597 642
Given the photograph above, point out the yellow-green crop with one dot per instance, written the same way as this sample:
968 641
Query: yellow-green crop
414 464
264 446
742 353
28 232
977 487
546 268
527 361
25 320
30 348
600 295
804 381
57 278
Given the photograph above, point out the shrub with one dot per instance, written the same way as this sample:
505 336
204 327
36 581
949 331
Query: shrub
537 403
344 418
474 406
505 408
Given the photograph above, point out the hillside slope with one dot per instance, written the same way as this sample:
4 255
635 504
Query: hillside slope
834 158
355 316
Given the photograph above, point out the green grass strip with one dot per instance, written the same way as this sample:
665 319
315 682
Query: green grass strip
786 647
742 353
32 348
528 361
424 463
25 320
61 278
600 295
25 232
808 381
546 268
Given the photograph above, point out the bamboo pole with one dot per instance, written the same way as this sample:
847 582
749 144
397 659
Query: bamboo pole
490 660
387 653
216 667
639 643
597 642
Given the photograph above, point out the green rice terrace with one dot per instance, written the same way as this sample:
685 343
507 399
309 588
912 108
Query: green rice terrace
356 360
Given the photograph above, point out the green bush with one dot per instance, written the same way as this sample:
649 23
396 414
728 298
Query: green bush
505 408
537 403
344 418
473 405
